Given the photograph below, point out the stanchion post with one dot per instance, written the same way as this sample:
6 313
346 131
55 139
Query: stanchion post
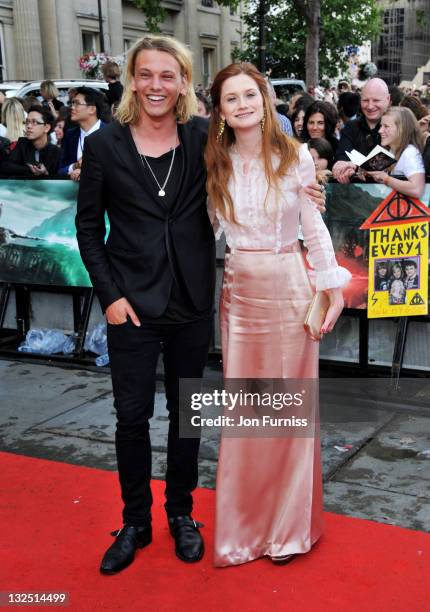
4 300
81 321
23 309
399 351
363 330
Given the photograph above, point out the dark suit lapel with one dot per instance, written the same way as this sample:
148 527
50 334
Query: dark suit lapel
185 133
126 150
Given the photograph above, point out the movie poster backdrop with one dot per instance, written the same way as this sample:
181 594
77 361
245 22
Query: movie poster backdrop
38 237
37 233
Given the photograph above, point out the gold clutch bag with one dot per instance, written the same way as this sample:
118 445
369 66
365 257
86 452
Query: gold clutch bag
316 314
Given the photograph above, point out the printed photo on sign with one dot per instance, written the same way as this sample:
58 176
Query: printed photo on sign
397 276
382 275
411 268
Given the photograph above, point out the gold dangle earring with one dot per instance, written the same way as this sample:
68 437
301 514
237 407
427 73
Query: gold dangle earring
263 122
220 130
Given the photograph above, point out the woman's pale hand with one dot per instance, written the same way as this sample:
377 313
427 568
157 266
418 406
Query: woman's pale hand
334 311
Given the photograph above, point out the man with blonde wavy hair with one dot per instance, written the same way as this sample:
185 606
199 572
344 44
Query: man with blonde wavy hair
155 277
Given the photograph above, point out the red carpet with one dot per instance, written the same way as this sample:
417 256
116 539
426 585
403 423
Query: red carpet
55 523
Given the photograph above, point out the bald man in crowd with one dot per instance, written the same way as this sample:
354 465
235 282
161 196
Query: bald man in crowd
362 134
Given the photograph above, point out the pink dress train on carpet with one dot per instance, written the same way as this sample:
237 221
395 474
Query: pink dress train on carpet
269 489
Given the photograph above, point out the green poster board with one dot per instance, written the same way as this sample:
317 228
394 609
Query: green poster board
37 233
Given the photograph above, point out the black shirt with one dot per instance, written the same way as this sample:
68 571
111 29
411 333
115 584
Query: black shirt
359 136
114 93
179 308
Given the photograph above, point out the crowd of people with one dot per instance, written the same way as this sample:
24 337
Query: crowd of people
44 137
336 121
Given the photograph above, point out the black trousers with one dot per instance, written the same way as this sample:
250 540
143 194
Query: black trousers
134 352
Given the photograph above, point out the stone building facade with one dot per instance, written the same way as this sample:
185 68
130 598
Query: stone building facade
45 38
403 45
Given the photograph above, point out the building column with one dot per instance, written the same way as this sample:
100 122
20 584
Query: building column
225 38
192 39
29 61
179 25
49 32
71 45
114 20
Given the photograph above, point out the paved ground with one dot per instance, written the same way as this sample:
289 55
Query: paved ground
376 442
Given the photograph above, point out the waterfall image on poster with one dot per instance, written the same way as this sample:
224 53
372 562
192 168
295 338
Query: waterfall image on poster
37 233
38 236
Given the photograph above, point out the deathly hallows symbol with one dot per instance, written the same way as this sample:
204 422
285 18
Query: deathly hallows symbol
417 300
397 208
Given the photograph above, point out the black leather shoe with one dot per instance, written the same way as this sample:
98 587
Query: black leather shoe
189 542
121 553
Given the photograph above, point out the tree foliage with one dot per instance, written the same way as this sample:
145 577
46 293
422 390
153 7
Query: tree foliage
155 13
343 22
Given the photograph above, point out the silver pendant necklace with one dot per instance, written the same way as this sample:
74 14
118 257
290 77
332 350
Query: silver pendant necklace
161 188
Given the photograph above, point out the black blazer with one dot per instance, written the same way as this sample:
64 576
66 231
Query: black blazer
15 164
147 244
356 134
69 149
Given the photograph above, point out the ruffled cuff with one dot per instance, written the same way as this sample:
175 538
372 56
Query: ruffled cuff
332 279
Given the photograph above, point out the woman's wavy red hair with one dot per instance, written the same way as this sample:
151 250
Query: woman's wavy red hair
279 151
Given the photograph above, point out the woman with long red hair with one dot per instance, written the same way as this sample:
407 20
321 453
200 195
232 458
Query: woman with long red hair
269 489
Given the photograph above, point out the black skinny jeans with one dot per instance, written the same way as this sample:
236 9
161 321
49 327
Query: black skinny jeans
134 353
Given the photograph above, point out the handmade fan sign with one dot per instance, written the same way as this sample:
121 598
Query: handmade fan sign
398 257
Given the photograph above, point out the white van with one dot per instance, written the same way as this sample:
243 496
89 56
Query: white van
32 88
285 88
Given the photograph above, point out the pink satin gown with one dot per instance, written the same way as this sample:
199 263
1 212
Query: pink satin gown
269 490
